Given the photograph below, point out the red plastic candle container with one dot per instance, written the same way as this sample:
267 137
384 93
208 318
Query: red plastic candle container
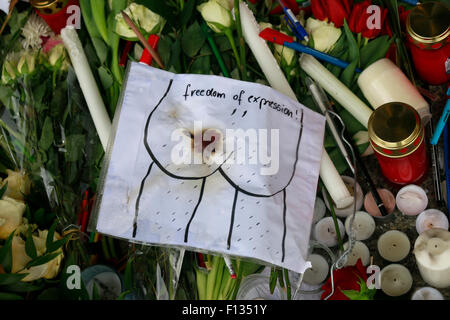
428 27
57 13
397 135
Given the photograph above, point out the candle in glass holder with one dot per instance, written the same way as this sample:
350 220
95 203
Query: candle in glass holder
411 200
430 219
359 251
396 280
325 231
363 225
393 245
432 252
318 271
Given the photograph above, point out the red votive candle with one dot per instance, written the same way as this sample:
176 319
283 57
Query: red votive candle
397 135
57 13
428 27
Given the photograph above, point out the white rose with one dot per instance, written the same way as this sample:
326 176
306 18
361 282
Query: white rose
57 54
146 20
27 63
324 34
8 72
264 25
285 54
11 213
18 185
20 258
217 15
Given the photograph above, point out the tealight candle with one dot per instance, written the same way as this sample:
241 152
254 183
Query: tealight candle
411 200
396 280
388 200
319 210
432 252
318 271
393 245
427 293
325 231
348 209
363 225
359 251
430 219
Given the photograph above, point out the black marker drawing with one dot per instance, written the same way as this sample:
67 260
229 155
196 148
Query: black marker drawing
252 184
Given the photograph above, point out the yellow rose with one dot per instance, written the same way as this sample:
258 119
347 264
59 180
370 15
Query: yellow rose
216 14
18 184
11 212
20 258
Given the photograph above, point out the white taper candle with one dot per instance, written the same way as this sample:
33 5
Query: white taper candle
87 83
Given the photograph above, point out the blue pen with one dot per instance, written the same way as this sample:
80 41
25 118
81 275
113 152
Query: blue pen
442 121
411 2
287 41
293 23
447 164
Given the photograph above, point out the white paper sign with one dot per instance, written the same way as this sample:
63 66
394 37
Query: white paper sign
212 164
4 6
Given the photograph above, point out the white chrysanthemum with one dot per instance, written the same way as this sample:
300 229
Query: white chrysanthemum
34 29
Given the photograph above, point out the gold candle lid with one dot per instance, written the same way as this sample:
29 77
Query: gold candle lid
395 130
428 24
49 6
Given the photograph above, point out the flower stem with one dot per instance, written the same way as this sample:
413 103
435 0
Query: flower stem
229 35
237 14
333 215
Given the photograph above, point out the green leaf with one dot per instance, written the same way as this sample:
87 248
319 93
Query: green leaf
49 294
42 259
192 40
22 287
30 247
105 77
351 42
3 190
47 134
11 278
375 50
128 277
9 296
101 49
95 295
273 280
349 73
162 8
74 147
51 234
39 217
57 244
186 14
201 65
6 253
175 57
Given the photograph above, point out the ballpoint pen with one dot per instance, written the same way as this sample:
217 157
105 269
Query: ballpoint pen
293 23
442 121
287 41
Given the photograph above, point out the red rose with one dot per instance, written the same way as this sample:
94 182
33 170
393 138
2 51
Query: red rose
347 278
335 11
359 18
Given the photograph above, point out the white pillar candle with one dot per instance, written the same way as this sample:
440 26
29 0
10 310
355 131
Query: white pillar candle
325 231
278 81
319 210
359 251
432 252
427 293
411 200
87 83
363 225
359 198
383 82
336 89
430 219
318 271
393 245
395 280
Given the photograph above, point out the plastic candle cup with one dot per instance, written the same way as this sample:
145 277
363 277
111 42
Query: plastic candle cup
348 210
318 273
428 28
359 251
427 293
383 82
430 219
393 245
432 252
325 231
411 200
363 225
396 280
396 134
388 200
